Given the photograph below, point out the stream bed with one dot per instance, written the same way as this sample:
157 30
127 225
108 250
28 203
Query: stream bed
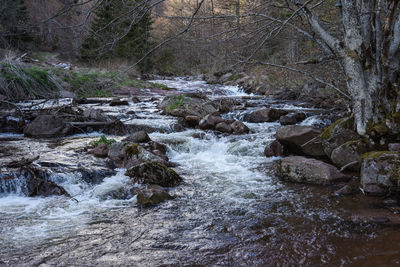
230 209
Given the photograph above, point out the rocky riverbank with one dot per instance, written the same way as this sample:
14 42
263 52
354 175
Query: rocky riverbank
195 157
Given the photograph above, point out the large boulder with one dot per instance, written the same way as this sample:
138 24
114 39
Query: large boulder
304 170
301 139
223 127
264 115
152 195
349 154
337 134
380 172
44 126
154 173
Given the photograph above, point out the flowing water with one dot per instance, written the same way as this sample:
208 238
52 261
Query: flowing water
230 210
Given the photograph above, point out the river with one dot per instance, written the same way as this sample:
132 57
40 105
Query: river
229 211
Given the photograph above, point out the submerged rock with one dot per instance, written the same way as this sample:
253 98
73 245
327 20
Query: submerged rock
154 173
304 170
44 126
380 172
152 195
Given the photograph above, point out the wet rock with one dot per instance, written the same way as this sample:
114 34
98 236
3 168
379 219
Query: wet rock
44 126
209 122
239 127
274 149
304 170
100 151
223 127
192 120
300 139
287 120
121 153
138 137
154 173
96 115
349 155
224 105
300 116
118 102
135 100
116 128
395 147
32 180
337 134
344 191
152 195
264 115
380 172
187 104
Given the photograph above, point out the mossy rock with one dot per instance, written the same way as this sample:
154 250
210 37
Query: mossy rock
132 150
152 172
380 172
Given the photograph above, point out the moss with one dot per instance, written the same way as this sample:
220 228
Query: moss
132 149
162 86
326 134
378 154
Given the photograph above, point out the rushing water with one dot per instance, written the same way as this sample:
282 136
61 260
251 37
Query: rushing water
229 211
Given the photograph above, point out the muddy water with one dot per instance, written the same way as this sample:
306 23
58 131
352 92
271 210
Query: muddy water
230 210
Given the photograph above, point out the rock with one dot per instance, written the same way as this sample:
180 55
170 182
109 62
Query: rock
300 139
135 99
100 151
66 94
188 104
287 120
154 173
225 104
31 180
44 126
223 127
138 137
264 115
344 191
209 122
239 127
337 134
380 172
348 153
395 147
274 149
116 128
304 170
118 102
96 115
300 116
192 120
225 77
152 195
121 153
